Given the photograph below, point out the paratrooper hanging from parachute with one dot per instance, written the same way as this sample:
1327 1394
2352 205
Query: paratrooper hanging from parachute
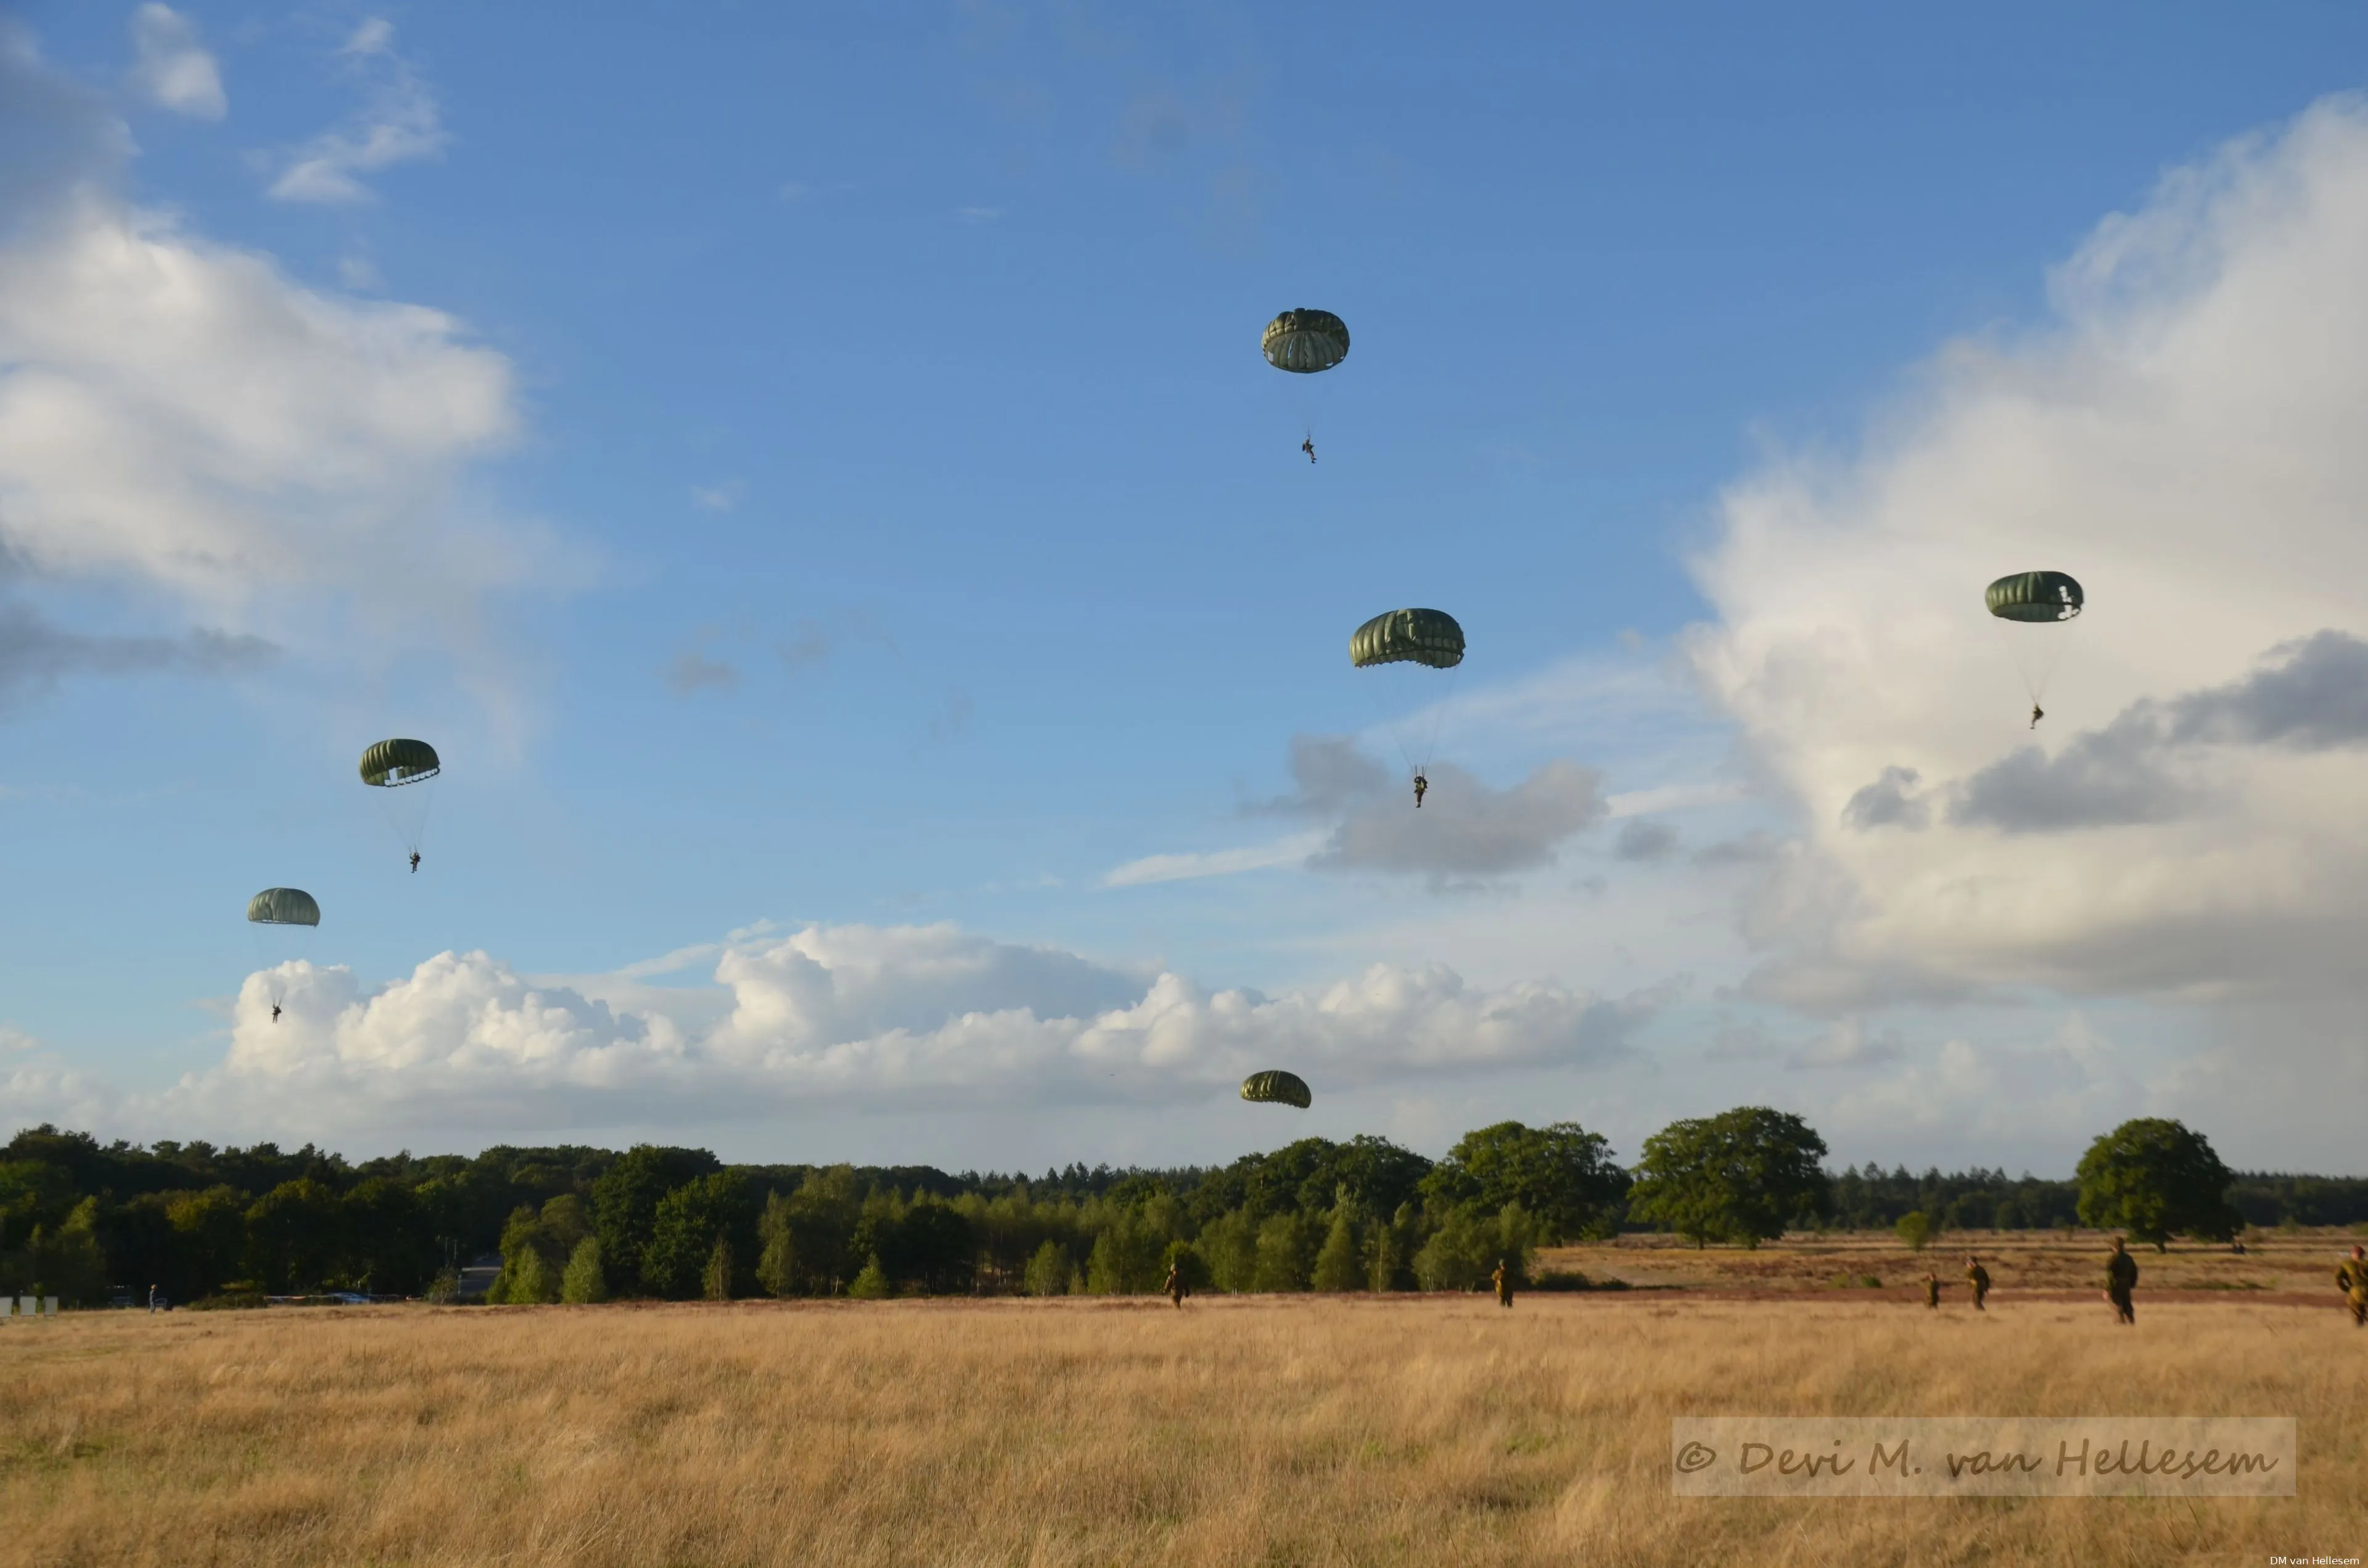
275 918
2039 600
1420 639
1305 343
397 769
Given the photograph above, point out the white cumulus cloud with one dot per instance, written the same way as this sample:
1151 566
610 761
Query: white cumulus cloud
855 1016
2184 439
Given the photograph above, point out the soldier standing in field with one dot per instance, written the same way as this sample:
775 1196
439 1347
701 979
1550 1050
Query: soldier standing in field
1504 1281
1176 1288
1931 1290
1979 1278
2353 1277
2120 1278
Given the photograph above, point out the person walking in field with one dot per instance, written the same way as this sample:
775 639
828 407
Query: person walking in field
1176 1288
1931 1291
2354 1278
1503 1279
1979 1278
2120 1278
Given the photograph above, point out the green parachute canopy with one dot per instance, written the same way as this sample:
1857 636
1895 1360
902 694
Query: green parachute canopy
392 763
283 907
2039 597
1277 1088
1408 636
1306 341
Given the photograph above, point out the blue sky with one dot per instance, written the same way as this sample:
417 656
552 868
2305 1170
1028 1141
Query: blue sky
840 491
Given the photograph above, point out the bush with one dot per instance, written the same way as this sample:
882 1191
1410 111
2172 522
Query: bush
872 1285
230 1300
1572 1279
526 1282
1914 1228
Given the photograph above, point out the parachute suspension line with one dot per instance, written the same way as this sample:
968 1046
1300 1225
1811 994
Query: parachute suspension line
1439 720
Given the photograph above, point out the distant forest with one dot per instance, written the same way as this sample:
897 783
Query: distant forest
95 1222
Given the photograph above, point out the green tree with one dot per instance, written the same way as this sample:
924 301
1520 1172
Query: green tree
1742 1176
1048 1271
1459 1252
295 1235
871 1284
583 1282
689 1220
715 1281
1391 1251
1230 1244
527 1280
625 1202
1126 1259
1562 1175
209 1235
777 1258
2155 1179
1286 1252
71 1264
389 1245
1339 1265
1914 1228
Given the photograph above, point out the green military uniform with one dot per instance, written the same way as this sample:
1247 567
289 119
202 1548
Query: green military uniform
1931 1289
2120 1278
2353 1277
1176 1289
1503 1279
1979 1278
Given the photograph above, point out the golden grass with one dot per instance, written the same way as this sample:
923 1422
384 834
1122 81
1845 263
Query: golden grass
1433 1430
2301 1261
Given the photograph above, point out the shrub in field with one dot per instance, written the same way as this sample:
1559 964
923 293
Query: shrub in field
1915 1228
583 1282
1048 1271
526 1282
871 1284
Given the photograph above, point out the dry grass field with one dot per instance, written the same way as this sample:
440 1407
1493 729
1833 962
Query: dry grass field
1433 1430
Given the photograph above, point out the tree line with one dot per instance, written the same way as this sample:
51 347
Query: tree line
89 1222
